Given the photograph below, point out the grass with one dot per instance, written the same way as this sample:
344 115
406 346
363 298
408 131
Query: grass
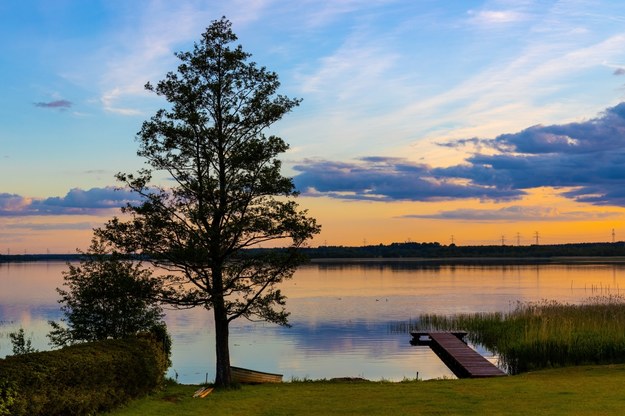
545 334
534 335
586 390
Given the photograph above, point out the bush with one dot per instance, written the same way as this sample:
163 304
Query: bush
81 379
106 296
21 344
7 397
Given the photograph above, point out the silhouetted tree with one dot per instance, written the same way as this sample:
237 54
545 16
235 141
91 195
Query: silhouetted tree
107 296
227 192
21 344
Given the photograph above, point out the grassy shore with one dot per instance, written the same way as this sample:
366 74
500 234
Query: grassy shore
588 390
534 335
546 334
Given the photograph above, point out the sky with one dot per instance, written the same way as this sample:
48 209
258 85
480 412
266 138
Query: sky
472 122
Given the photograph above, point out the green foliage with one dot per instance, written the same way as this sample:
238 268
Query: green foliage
81 379
159 333
21 344
8 396
596 390
107 296
546 334
227 192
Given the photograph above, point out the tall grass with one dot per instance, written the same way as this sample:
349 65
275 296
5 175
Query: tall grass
545 334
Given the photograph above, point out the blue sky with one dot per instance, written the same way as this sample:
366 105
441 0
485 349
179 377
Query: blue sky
495 113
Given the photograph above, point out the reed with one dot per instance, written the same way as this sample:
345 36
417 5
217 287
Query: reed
545 334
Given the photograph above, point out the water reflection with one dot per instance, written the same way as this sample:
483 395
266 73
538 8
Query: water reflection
341 314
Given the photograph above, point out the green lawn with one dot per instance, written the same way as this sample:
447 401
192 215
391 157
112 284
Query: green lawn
590 390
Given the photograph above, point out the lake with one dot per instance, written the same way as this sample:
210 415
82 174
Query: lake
342 315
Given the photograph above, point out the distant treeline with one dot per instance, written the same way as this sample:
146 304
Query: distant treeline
413 250
24 258
436 250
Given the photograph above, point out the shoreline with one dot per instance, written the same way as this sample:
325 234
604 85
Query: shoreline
433 261
475 260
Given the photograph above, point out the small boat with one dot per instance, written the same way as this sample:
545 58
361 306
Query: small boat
203 392
244 375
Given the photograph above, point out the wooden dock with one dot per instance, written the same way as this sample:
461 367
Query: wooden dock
461 359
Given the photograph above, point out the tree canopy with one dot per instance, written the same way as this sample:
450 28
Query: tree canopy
106 296
226 192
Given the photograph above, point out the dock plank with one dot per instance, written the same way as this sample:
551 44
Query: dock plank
460 358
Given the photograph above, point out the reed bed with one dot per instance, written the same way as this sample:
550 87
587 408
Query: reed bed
545 334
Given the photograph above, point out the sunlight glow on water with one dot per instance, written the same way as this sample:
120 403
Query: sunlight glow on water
340 315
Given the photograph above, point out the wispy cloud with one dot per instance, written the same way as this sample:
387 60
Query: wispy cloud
373 95
110 101
321 14
516 213
51 226
511 89
142 47
491 17
57 104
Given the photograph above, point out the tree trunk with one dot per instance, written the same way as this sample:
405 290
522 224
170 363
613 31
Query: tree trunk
222 350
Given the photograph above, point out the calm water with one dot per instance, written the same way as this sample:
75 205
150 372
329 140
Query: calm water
341 315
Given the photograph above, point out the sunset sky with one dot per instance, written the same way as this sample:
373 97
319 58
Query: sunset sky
421 120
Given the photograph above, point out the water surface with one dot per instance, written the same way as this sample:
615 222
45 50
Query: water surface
341 315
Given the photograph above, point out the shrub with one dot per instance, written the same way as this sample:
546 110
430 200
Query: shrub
106 296
81 379
7 397
21 344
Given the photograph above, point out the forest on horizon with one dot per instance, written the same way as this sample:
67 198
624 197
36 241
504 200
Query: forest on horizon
430 251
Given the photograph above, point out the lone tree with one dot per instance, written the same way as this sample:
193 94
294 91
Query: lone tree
107 296
227 193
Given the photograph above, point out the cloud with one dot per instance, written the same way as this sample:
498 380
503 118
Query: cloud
490 17
110 101
587 158
76 202
12 202
515 213
142 48
60 104
536 83
97 172
51 226
588 155
599 194
388 179
619 71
